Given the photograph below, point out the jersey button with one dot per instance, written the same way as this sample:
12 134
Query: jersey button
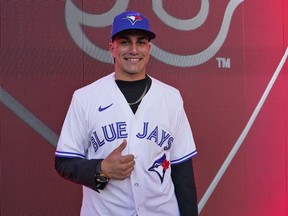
136 184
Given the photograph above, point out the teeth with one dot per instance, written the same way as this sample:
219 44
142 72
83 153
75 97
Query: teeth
132 59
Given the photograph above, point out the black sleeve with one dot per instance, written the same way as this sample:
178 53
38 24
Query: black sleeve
78 170
185 188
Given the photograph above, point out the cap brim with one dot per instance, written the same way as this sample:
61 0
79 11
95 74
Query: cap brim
151 35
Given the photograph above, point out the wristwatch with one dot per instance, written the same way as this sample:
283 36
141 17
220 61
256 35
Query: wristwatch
100 178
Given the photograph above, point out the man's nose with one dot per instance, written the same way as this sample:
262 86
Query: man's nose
134 48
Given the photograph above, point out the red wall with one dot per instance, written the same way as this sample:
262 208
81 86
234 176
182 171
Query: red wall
227 66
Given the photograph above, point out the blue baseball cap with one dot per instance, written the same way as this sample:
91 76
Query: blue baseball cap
131 20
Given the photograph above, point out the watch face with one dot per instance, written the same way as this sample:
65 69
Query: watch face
101 179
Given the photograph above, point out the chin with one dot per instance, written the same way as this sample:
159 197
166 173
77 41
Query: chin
133 72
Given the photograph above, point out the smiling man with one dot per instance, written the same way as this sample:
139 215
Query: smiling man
126 137
130 50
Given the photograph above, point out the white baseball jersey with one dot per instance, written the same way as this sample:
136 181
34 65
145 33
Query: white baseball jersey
158 135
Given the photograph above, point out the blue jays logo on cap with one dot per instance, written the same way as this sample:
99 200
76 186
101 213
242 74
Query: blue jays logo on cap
131 20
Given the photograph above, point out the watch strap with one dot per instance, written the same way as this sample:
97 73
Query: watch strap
101 179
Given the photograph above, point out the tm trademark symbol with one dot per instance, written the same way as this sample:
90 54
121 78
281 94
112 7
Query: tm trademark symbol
223 62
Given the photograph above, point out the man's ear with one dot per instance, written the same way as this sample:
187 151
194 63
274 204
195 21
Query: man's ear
111 49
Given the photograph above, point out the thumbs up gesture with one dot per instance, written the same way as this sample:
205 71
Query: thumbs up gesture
116 165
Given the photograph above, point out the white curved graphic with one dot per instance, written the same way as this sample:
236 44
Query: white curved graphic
243 135
180 24
199 58
75 18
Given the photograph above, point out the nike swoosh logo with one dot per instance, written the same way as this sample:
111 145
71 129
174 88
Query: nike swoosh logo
100 109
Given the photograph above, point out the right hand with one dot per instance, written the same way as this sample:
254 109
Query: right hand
116 166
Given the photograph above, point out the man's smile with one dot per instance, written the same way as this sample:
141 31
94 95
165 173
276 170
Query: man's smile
133 59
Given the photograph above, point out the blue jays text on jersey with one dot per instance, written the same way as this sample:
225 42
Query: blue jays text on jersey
118 130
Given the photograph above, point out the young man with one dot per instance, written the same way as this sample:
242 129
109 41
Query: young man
126 137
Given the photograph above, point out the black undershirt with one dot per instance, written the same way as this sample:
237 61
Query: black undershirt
132 90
